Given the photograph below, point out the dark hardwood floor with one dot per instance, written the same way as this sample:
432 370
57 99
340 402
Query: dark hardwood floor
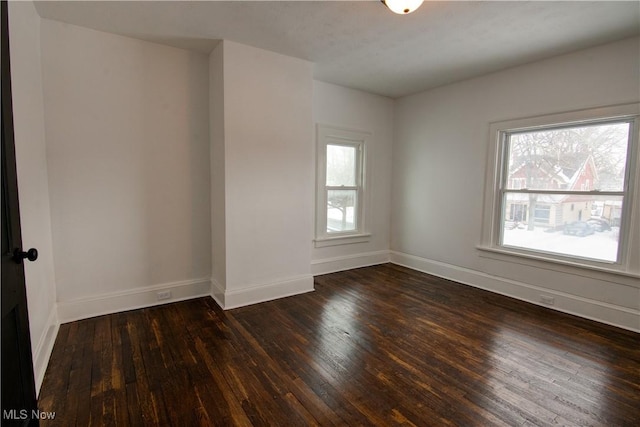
380 345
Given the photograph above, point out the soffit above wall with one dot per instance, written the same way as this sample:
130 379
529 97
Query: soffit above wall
360 44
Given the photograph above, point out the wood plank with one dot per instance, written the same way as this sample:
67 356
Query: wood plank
382 345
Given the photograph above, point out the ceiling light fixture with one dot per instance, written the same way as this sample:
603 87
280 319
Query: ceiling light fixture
402 7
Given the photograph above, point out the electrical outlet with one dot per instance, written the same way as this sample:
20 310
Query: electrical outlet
545 299
162 295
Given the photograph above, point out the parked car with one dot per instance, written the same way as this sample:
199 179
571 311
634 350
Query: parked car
599 224
579 228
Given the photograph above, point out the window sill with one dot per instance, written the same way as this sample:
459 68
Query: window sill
557 264
324 242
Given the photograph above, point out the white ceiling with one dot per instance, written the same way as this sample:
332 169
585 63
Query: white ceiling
363 45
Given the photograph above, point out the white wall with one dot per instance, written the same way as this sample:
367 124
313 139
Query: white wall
128 162
217 164
268 173
31 162
440 151
353 109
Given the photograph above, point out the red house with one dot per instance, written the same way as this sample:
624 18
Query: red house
552 210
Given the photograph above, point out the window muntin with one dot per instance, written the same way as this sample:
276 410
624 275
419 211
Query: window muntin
563 188
340 200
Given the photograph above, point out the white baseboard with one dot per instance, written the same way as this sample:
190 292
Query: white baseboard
622 317
131 299
217 293
348 262
44 347
234 298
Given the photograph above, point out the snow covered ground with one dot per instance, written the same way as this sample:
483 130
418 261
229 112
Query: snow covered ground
600 245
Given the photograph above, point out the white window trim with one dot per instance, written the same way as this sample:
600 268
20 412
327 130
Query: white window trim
326 134
629 245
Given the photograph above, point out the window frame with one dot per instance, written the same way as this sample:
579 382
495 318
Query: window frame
331 135
628 257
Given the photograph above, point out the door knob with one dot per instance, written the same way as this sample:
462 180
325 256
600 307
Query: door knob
19 255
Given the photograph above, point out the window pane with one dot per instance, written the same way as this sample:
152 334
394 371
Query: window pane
341 210
341 165
578 226
583 158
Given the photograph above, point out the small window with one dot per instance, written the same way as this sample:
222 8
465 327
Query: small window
542 214
341 191
574 177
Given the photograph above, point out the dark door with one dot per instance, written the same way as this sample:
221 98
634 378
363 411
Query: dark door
18 387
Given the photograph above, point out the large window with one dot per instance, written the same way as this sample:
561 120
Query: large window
561 187
340 192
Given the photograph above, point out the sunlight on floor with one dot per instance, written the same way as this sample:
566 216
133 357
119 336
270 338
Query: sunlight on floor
518 369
